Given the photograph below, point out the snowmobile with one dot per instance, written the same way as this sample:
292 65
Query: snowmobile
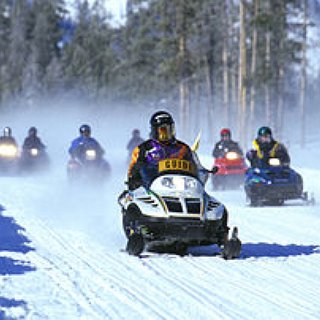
89 165
9 157
274 184
172 211
232 169
33 159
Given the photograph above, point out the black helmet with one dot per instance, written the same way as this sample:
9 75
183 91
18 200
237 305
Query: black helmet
264 131
33 131
162 126
85 129
7 132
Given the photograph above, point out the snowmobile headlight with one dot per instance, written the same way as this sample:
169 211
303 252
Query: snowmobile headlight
232 155
191 184
34 152
91 154
176 183
8 151
275 162
167 182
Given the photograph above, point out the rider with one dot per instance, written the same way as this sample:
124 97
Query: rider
134 141
161 145
225 144
265 147
32 140
84 141
7 137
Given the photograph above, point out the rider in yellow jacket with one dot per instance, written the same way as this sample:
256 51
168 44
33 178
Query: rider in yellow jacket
265 147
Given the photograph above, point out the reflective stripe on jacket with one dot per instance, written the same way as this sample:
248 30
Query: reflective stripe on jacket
272 152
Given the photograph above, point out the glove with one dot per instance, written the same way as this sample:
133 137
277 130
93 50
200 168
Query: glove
251 154
133 184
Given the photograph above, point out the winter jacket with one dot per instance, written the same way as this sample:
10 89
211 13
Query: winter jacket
262 152
33 142
222 147
81 143
145 159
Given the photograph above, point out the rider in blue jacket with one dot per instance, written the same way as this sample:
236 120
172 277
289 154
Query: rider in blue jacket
84 141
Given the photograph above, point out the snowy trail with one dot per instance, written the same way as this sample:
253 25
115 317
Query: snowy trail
81 273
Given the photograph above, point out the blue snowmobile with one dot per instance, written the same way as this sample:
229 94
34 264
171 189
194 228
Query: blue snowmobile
273 184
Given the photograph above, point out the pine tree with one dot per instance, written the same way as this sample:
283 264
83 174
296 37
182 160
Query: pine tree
46 33
89 59
4 40
19 48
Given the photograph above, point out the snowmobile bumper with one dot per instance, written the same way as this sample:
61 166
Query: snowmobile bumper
190 231
285 192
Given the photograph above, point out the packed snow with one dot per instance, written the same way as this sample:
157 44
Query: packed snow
61 246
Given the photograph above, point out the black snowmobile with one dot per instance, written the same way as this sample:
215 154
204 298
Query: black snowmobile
33 159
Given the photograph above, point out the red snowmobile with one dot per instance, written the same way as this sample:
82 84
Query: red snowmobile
231 173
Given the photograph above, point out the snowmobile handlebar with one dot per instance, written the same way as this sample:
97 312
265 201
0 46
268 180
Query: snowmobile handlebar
214 170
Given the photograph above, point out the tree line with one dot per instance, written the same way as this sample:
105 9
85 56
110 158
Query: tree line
232 62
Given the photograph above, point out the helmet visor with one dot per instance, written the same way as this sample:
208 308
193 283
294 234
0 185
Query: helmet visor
85 131
166 132
265 138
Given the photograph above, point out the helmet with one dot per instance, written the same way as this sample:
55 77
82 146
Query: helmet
85 129
264 131
136 132
162 126
33 131
7 132
225 132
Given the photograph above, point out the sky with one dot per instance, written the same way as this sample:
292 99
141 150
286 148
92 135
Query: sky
116 7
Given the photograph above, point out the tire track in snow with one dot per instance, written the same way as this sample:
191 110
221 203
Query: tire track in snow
193 290
132 288
131 294
139 297
87 296
243 280
63 280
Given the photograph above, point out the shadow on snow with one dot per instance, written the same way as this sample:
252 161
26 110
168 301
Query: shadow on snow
261 250
10 303
274 250
12 240
11 236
